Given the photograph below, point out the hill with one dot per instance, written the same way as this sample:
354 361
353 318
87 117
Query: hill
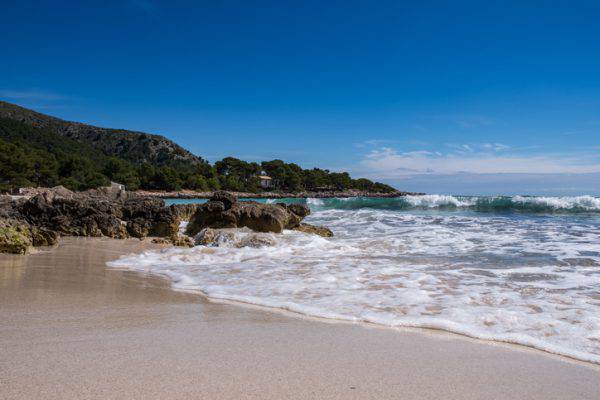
137 147
40 150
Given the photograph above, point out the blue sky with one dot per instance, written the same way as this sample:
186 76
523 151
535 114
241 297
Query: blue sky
443 97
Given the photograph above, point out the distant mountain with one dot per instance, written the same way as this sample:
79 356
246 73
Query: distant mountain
136 147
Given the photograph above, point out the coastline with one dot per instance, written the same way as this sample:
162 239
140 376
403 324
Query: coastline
73 328
190 194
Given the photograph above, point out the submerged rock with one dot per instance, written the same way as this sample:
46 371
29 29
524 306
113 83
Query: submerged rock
212 237
256 240
224 211
180 241
317 230
233 237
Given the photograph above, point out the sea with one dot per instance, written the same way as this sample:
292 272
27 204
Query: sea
522 270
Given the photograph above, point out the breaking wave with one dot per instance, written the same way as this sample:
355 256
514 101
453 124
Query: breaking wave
523 204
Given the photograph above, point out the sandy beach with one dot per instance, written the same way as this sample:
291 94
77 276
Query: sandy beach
71 329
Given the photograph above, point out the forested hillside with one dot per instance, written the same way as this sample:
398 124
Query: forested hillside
38 150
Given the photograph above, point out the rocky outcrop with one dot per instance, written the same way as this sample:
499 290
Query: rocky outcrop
224 211
14 239
51 213
149 217
41 219
17 236
184 211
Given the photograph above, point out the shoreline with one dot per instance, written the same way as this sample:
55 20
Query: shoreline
73 328
516 346
291 313
189 194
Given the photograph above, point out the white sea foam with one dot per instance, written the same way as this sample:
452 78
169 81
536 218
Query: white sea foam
183 226
582 202
440 200
534 281
314 202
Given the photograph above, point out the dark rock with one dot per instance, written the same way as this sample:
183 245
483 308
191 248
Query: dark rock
233 237
215 206
184 211
227 198
259 217
299 209
297 213
213 215
149 216
212 237
313 229
182 241
15 237
43 237
39 220
256 241
138 228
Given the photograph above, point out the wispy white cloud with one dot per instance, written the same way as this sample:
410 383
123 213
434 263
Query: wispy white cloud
460 148
374 143
388 163
495 146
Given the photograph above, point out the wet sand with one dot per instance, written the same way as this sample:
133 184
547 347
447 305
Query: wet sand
72 329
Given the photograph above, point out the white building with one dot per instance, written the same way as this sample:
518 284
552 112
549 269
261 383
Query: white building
117 186
265 181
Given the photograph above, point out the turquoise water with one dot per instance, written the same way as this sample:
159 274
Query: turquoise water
491 204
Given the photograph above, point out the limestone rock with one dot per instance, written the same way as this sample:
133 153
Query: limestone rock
183 241
223 211
233 237
227 198
184 211
14 239
212 237
317 230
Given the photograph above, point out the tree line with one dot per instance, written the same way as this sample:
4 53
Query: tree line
36 157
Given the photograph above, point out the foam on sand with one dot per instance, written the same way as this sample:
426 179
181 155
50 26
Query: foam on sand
529 280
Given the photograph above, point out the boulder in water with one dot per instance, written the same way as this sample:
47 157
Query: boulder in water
212 237
316 230
233 237
224 211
